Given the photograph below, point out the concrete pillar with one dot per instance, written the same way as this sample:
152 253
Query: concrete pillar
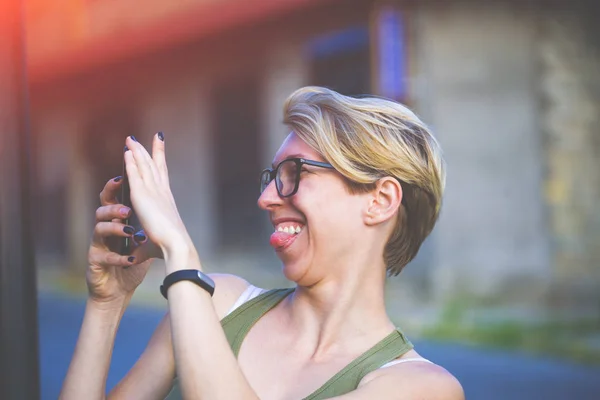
287 70
478 77
57 131
82 195
570 63
18 305
181 110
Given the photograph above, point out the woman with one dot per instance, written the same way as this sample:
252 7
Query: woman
353 191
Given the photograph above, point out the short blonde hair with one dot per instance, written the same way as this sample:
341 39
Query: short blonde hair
366 139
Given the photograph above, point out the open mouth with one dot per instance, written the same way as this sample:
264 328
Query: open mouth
285 234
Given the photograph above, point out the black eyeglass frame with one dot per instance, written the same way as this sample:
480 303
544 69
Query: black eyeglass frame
272 173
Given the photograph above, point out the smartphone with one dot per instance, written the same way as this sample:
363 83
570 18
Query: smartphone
127 242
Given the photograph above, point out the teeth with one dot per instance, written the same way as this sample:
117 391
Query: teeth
290 229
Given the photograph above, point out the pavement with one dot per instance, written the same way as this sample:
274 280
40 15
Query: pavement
485 374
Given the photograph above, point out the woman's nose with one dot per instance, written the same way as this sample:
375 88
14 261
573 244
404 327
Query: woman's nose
269 197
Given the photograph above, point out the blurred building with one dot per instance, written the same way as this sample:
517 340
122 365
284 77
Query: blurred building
511 89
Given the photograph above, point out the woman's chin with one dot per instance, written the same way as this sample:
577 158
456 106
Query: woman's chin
294 270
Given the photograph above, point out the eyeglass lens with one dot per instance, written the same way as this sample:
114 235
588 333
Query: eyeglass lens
285 178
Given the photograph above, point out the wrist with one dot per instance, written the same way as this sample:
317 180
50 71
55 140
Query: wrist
113 306
182 255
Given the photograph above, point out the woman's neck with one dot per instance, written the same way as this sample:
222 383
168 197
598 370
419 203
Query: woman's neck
339 314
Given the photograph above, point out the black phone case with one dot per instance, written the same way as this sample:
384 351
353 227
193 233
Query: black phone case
126 243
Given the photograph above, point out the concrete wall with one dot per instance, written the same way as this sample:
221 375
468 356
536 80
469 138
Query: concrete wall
477 77
569 53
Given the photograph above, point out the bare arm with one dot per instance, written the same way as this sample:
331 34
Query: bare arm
89 367
111 279
152 375
205 364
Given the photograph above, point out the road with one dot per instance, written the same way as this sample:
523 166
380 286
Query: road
485 374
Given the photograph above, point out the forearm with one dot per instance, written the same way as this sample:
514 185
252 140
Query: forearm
88 371
206 366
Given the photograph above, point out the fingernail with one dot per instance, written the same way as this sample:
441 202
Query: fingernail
139 237
124 211
133 138
131 259
161 136
125 149
118 178
128 230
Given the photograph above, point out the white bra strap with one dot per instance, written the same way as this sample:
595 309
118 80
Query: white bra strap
248 294
405 360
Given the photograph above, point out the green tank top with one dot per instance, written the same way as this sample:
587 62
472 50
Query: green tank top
238 323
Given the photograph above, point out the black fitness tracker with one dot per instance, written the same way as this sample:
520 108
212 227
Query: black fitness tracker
193 275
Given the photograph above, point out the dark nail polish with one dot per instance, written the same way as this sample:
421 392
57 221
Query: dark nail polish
118 178
128 230
133 138
139 237
125 149
161 136
131 259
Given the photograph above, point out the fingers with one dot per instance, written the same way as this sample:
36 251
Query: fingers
145 249
133 172
145 165
104 230
112 212
109 193
158 155
102 255
109 259
140 237
141 253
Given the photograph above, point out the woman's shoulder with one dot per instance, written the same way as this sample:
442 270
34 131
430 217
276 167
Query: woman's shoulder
228 289
416 377
231 291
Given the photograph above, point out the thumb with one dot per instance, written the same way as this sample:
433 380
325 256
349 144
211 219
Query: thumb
145 248
140 237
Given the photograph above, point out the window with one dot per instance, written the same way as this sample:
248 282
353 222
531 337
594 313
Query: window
341 61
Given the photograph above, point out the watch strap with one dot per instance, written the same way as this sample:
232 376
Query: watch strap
193 275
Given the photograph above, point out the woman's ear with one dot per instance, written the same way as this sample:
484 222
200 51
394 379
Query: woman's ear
384 201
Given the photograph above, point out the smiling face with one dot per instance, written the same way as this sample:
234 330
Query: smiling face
320 225
383 149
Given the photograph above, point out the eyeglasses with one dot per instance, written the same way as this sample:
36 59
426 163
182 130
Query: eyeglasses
287 175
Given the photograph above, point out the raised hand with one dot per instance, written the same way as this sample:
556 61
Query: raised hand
152 198
111 276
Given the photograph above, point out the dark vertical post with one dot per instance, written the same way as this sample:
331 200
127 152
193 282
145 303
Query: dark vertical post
19 375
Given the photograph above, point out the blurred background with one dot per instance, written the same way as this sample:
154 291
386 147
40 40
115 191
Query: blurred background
510 88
